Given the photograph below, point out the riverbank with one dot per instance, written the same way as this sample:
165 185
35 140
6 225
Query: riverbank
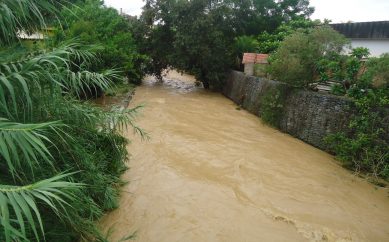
306 115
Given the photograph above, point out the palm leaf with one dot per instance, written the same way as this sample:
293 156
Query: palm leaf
25 144
26 15
29 76
84 81
19 204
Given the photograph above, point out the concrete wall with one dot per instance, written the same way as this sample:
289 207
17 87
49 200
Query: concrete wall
376 47
307 115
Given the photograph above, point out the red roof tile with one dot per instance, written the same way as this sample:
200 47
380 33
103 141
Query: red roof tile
249 58
255 58
261 58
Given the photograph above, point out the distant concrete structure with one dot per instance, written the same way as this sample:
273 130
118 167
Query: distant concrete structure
254 63
33 36
127 16
371 35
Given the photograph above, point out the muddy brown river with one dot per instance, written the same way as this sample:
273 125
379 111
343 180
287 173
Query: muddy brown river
213 173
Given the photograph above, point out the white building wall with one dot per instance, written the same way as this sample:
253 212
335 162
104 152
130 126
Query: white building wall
376 47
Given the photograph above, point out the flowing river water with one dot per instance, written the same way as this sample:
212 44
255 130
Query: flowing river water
211 173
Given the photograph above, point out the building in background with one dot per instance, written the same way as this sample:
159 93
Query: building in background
371 35
255 64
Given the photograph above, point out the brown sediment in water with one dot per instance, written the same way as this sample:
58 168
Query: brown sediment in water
213 173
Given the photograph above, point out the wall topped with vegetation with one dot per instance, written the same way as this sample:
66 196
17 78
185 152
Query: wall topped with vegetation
310 57
307 115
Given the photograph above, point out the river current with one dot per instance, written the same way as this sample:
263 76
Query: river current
213 173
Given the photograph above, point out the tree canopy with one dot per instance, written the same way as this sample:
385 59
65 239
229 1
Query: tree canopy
198 36
92 23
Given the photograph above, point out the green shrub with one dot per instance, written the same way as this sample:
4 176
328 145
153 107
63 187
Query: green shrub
364 146
338 89
295 61
342 68
377 71
245 44
273 104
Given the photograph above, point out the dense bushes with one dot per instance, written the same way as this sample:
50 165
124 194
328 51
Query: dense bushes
295 61
365 145
60 159
378 71
93 23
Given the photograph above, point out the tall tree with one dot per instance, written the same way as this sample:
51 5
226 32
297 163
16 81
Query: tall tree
197 36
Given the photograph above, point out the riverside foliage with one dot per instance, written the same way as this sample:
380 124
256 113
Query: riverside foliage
317 55
90 22
60 158
364 146
296 60
198 36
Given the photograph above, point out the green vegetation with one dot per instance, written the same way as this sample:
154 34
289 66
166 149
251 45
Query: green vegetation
273 103
93 23
198 36
364 147
341 68
296 60
269 42
311 55
245 44
60 158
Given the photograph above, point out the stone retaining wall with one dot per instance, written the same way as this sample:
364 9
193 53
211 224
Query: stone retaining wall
307 115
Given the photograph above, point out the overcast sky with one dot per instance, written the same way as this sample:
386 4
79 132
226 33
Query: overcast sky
335 10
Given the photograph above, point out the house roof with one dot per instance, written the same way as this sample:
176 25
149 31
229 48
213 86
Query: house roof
364 30
255 58
249 58
261 58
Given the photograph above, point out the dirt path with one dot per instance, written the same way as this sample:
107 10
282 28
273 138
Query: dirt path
213 173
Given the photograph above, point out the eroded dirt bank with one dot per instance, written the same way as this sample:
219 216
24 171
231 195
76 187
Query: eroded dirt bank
214 173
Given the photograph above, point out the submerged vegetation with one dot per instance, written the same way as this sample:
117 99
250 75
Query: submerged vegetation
60 158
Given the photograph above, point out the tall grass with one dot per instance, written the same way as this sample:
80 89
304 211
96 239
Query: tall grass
60 158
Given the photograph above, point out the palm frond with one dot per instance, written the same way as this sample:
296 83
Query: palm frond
42 85
114 120
119 118
26 15
25 144
83 81
49 71
18 205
